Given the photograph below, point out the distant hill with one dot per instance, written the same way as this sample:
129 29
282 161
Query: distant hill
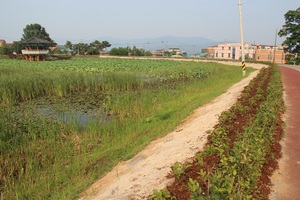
189 44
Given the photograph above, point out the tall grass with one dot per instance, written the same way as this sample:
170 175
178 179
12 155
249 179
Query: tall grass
23 81
42 157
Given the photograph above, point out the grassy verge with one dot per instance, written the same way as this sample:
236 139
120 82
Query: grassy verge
44 156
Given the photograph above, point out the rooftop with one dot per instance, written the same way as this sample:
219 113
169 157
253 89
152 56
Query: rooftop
35 40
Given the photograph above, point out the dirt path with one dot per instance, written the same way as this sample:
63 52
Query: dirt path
286 180
139 176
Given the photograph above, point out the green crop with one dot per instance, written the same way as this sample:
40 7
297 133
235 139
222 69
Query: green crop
241 144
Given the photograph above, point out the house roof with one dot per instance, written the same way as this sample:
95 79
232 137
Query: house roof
35 40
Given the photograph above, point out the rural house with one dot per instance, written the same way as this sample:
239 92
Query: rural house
257 52
266 53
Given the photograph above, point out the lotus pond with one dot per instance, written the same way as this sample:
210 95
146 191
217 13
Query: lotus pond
64 124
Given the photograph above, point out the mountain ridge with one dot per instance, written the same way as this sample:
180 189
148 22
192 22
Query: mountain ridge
190 44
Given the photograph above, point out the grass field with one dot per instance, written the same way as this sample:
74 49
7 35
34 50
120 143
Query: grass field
63 124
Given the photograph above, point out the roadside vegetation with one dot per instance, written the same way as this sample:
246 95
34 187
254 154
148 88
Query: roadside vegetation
242 149
63 124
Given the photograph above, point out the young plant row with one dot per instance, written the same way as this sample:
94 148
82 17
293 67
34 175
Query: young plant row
238 149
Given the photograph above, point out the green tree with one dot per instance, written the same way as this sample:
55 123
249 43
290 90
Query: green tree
291 29
137 52
97 46
121 51
92 51
148 53
6 49
36 30
69 45
17 47
81 48
56 51
105 44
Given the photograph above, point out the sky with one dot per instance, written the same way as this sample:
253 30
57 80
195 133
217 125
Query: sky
80 20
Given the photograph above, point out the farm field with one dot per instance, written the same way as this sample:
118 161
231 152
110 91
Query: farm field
63 124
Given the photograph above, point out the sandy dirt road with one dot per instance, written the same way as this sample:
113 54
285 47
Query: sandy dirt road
146 171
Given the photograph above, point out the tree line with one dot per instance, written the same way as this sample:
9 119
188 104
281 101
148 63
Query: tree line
94 48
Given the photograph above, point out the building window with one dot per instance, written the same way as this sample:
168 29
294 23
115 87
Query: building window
233 53
222 55
229 55
216 55
270 57
229 48
222 48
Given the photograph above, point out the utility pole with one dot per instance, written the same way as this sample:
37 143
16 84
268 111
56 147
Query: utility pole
242 38
274 56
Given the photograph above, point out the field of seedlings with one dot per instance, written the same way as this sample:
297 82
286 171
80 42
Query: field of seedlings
63 124
242 150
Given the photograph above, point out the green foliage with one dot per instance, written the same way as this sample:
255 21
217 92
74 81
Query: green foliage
179 169
240 160
105 44
98 47
36 30
69 45
240 166
291 29
121 51
80 48
126 51
94 48
5 49
17 47
163 194
148 53
196 192
136 52
293 59
56 51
